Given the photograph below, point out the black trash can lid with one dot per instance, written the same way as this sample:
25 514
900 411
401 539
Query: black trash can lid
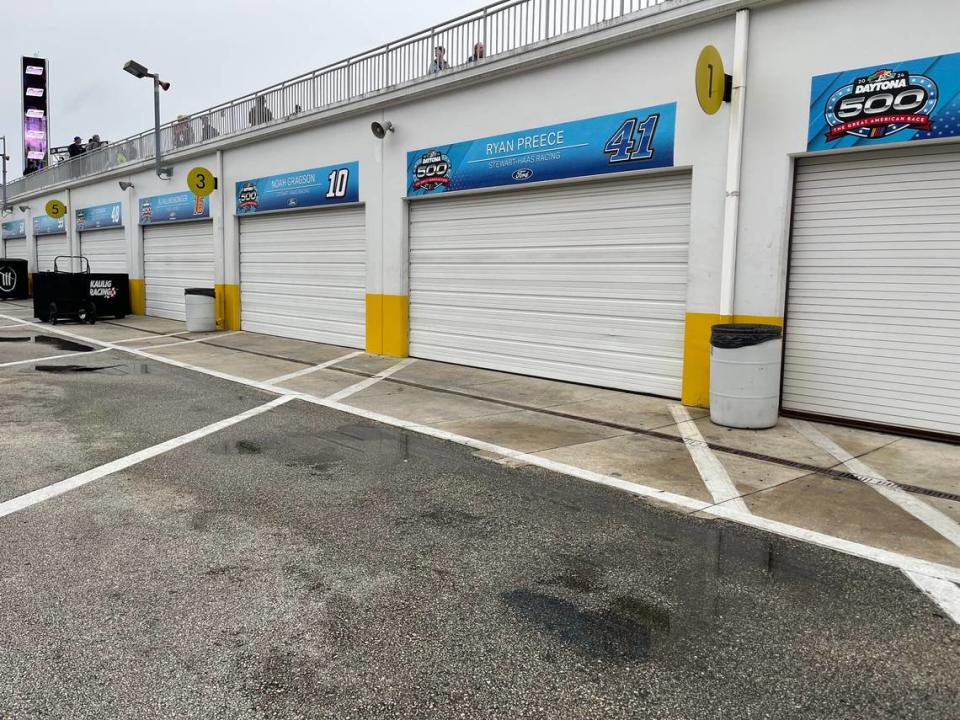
733 336
200 291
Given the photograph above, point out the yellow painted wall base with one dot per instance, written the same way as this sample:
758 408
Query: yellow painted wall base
696 352
228 306
138 296
388 325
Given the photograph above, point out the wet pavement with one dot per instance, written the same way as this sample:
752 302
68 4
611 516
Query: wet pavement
309 563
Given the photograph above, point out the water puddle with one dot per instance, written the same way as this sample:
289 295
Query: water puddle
53 341
577 601
63 369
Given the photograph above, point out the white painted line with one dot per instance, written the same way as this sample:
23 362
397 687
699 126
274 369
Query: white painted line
364 384
212 336
51 491
925 513
145 338
307 371
14 325
52 357
848 547
943 592
722 488
868 552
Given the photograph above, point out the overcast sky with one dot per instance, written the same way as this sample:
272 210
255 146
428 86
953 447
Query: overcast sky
210 50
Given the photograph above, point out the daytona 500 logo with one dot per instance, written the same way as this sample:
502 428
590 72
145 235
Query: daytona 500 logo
432 171
882 104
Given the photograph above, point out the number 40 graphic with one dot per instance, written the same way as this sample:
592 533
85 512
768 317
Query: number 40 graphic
633 140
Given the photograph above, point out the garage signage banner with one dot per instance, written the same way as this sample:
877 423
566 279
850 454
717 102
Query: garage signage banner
895 102
99 216
330 185
14 229
46 225
635 140
174 207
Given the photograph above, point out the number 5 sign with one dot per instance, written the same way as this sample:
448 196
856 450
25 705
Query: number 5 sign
201 182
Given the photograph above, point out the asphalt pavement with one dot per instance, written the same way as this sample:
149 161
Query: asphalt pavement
310 564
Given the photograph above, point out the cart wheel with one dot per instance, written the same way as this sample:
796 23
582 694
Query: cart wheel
87 313
52 313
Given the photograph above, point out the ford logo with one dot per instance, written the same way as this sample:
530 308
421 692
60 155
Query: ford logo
523 174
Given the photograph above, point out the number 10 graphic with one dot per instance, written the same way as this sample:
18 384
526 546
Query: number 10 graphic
339 180
633 140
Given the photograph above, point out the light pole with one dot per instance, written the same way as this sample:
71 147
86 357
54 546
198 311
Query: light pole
3 159
139 71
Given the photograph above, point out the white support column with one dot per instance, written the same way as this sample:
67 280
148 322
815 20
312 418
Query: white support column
731 218
134 239
31 240
226 239
73 238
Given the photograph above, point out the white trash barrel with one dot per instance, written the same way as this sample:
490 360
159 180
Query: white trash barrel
201 309
745 375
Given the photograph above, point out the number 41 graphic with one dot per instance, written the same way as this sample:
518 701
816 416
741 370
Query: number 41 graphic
633 140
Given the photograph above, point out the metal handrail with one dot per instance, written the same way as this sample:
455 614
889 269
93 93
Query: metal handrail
501 27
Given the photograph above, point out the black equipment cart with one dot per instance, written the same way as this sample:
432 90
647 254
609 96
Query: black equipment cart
82 295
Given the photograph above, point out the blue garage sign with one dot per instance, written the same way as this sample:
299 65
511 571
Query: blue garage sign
895 102
635 140
46 225
14 229
330 185
173 207
99 216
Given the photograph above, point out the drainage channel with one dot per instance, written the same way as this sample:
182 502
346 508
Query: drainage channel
655 434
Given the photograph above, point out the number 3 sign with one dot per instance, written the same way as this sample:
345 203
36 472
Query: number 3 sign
201 181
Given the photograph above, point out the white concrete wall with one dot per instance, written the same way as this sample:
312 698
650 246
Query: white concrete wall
790 43
657 70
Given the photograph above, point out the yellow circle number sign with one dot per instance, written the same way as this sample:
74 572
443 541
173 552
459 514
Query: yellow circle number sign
711 80
55 209
201 181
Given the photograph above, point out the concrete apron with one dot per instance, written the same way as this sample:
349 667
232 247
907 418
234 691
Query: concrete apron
828 479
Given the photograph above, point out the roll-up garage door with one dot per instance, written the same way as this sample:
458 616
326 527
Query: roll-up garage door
303 275
49 247
16 248
105 249
873 312
176 256
585 283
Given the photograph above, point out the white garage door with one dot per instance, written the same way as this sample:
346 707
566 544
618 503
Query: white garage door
873 315
16 248
105 249
585 283
303 275
176 256
49 247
